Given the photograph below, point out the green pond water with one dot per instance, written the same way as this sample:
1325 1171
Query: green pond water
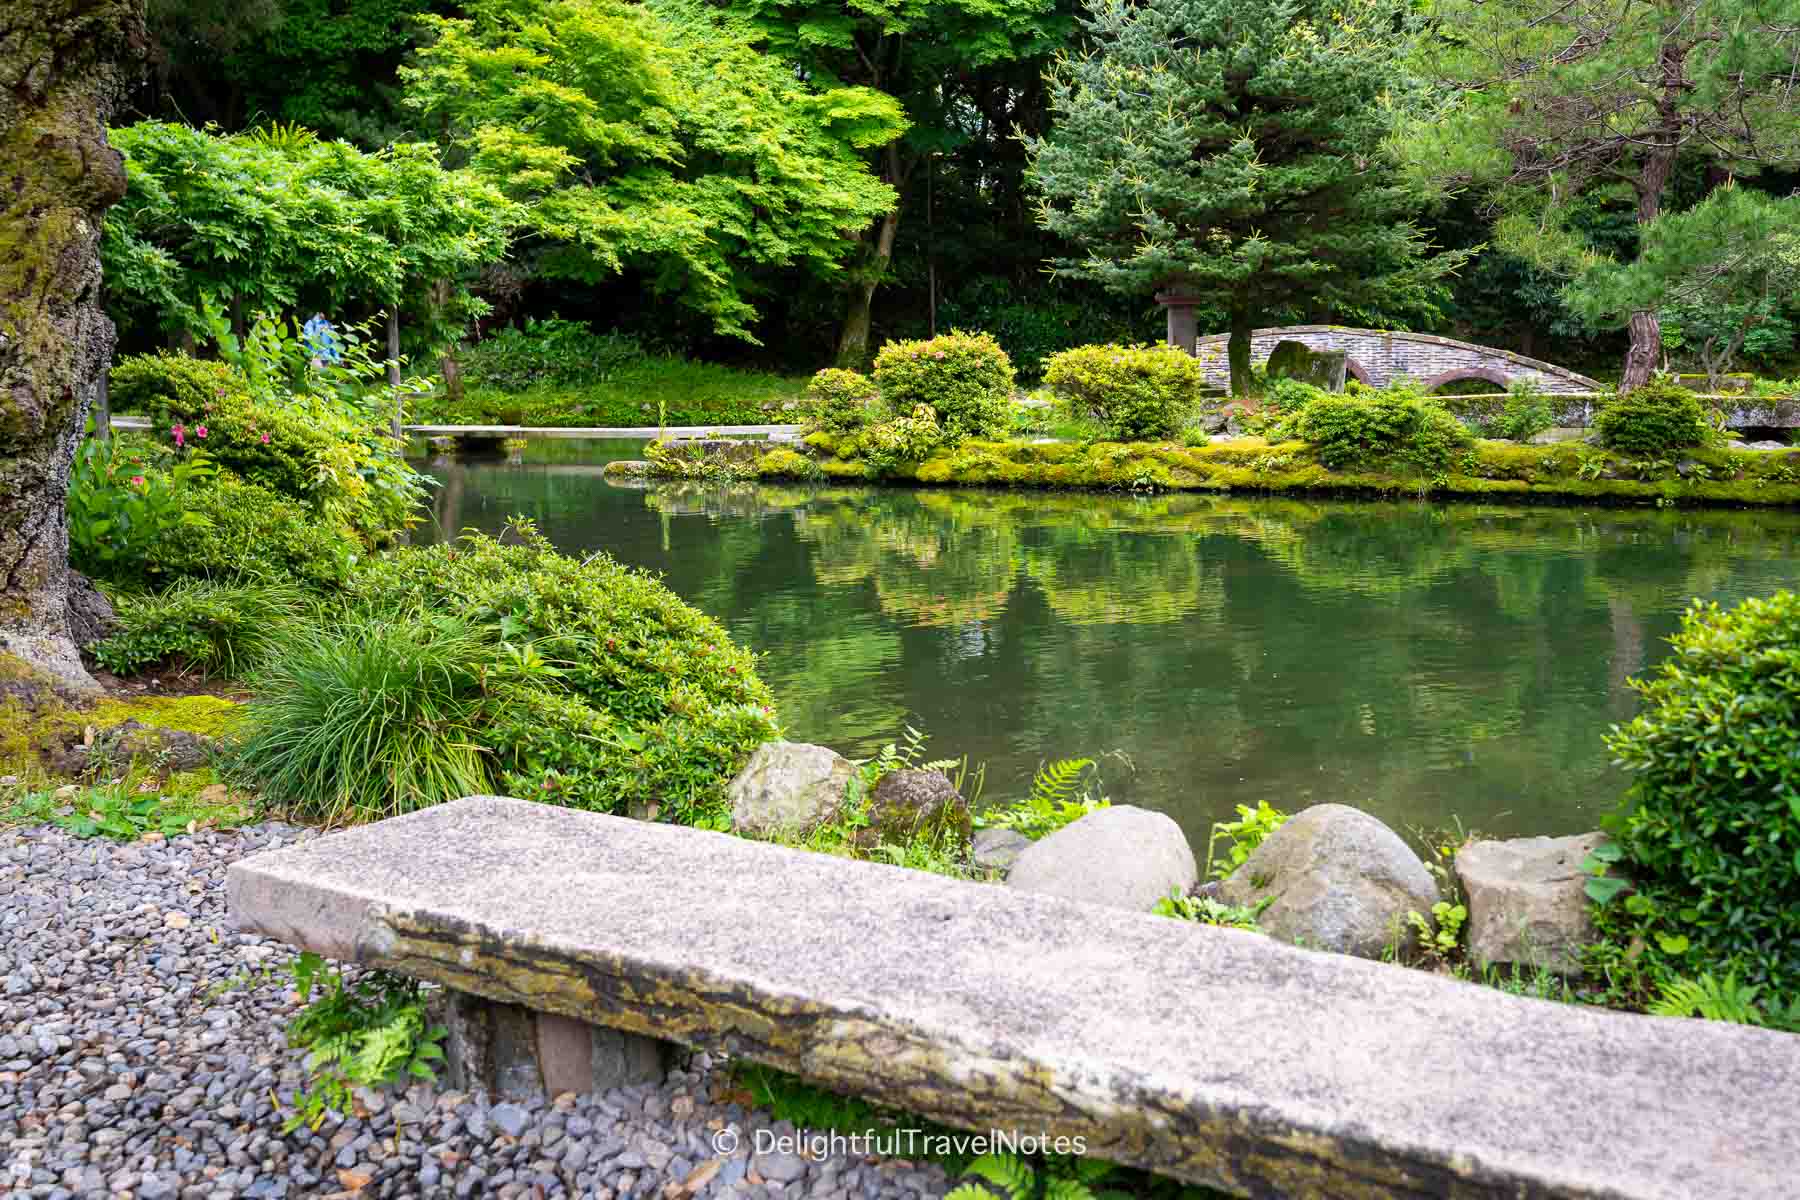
1432 663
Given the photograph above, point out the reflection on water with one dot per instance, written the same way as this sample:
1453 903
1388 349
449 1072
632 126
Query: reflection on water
1431 663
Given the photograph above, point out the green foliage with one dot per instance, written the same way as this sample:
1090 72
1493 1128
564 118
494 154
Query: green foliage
342 465
1441 933
841 402
1139 393
1654 419
1205 910
679 391
966 378
127 809
1062 792
1525 414
654 137
1723 268
901 441
214 628
607 690
547 350
1373 427
1710 834
122 512
366 718
370 1033
250 532
1240 837
286 223
1200 145
1033 324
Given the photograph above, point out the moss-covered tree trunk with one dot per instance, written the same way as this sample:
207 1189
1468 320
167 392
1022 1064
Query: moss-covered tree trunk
62 67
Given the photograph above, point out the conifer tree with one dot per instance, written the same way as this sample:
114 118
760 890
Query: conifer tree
1234 150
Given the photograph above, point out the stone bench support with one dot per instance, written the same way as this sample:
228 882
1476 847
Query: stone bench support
1217 1056
514 1053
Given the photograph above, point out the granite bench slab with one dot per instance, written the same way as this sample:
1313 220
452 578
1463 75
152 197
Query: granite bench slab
1217 1056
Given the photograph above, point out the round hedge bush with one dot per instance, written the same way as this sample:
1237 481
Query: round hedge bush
841 401
1657 418
1711 826
1139 393
965 377
1382 430
628 695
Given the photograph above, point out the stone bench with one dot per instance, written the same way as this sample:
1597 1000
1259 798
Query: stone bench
1215 1056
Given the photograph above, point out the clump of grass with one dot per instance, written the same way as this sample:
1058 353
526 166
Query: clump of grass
212 627
366 720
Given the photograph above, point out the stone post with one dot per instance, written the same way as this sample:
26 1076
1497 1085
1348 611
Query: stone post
1184 331
513 1053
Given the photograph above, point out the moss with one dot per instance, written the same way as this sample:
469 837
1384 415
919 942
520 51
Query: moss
208 716
784 464
1568 470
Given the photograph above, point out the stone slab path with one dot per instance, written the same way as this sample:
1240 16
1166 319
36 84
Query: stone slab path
141 1051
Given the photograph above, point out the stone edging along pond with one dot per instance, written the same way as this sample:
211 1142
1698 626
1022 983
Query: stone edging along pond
1493 470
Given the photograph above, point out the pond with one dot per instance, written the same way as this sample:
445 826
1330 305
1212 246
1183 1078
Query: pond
1439 665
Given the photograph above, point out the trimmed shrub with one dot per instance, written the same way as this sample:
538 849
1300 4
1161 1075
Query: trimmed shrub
652 702
1378 428
965 377
1710 829
841 401
1658 418
1139 393
250 532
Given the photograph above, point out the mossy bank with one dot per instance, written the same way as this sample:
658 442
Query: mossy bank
1495 470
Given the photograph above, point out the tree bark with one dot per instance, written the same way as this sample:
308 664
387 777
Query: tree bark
1645 326
64 64
853 343
1237 349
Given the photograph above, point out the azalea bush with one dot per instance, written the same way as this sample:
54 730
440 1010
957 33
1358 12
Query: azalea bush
966 378
1709 837
1658 418
305 446
1138 393
582 681
840 401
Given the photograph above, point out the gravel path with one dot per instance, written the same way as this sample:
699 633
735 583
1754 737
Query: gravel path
130 1064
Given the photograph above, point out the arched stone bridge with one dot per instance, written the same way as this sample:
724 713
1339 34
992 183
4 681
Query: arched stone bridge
1379 356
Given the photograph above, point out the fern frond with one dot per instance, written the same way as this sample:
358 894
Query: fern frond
1711 999
1007 1172
1068 1189
1059 782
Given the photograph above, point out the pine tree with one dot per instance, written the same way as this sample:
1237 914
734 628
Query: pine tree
1234 150
1562 102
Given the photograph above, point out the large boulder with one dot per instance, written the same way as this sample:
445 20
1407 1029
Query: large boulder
1527 903
1120 856
1337 879
912 801
1324 369
788 787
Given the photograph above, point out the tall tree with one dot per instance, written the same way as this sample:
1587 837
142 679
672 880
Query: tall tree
1234 151
907 49
654 137
63 65
1559 100
1722 269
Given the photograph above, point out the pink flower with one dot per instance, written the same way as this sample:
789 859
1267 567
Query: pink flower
180 433
137 481
200 431
265 439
